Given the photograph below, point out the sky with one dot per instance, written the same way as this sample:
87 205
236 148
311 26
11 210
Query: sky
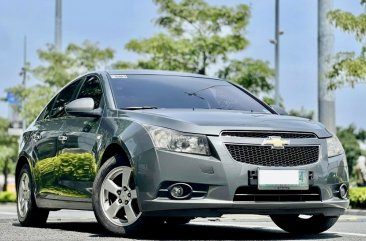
113 23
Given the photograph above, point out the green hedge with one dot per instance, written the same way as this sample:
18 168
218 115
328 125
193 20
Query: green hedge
357 197
7 197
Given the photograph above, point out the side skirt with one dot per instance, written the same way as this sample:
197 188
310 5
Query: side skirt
51 202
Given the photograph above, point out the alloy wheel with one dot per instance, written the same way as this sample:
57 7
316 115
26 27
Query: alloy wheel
24 195
118 197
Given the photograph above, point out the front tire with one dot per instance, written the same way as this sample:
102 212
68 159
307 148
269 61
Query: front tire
115 198
29 214
299 225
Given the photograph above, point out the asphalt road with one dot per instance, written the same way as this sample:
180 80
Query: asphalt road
81 225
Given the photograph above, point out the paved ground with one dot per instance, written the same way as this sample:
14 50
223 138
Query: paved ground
81 225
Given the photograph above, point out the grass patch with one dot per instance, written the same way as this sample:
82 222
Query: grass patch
7 197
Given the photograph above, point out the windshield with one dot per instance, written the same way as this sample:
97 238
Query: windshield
159 91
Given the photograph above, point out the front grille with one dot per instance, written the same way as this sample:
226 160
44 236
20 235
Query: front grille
286 135
252 194
267 156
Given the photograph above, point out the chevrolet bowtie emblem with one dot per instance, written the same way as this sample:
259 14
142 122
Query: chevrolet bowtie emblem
276 142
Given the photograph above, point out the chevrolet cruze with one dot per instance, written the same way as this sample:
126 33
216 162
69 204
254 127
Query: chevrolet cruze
149 147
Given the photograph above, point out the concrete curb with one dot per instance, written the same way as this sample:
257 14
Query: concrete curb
357 212
8 203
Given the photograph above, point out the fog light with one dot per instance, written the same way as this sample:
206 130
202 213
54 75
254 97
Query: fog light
177 191
180 191
343 191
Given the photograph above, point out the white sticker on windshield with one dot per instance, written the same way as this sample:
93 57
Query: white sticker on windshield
119 76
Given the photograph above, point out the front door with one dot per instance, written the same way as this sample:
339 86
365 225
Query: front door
78 145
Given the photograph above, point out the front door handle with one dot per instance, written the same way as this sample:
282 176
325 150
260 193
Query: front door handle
62 138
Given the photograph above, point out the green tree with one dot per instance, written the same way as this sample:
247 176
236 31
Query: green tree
61 67
250 73
194 36
58 70
349 68
8 151
198 37
33 99
361 135
347 136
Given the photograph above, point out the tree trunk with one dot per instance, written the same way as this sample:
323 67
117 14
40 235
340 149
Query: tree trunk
5 172
203 69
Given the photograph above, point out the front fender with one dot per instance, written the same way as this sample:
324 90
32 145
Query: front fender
132 137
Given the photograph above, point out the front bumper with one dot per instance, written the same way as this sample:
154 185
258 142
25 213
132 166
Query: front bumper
223 176
216 208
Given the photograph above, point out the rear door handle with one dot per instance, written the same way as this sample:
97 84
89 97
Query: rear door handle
62 138
37 136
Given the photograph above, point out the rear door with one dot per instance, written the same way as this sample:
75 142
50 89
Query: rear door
79 145
44 138
46 143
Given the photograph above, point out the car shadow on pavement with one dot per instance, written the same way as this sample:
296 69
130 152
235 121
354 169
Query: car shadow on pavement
190 231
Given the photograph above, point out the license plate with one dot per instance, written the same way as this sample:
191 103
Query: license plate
270 179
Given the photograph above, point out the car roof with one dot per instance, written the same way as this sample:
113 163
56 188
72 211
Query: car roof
158 72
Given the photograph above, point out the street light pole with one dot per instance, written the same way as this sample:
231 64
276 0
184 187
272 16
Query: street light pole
326 99
24 73
277 52
24 69
58 26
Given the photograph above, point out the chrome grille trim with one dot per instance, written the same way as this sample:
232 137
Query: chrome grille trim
266 134
252 194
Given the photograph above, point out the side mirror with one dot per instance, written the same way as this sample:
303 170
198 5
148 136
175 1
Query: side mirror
83 107
279 110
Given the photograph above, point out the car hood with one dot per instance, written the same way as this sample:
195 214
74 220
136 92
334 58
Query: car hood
212 122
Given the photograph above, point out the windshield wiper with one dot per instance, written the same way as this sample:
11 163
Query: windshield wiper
140 107
194 93
200 97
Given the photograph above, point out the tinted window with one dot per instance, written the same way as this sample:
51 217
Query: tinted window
181 92
64 97
46 112
92 89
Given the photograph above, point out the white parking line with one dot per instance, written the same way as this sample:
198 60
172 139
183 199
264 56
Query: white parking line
234 225
8 213
349 234
269 228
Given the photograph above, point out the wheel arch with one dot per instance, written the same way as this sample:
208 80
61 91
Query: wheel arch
113 149
22 160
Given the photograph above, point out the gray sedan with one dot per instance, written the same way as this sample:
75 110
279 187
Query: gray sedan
154 147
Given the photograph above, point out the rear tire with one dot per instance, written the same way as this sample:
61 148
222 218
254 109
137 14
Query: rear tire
296 224
29 214
115 198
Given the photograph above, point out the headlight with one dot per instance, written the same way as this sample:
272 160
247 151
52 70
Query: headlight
170 140
334 146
